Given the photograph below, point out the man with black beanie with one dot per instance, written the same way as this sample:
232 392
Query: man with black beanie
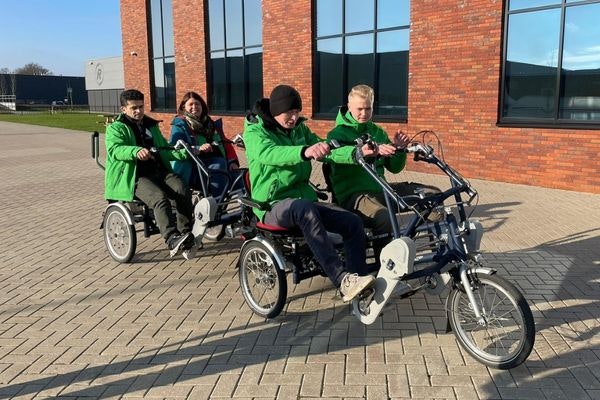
279 147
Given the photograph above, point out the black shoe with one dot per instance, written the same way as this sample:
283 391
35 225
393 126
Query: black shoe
189 242
176 240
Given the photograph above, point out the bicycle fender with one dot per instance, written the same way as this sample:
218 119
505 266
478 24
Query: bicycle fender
279 259
122 207
473 239
397 259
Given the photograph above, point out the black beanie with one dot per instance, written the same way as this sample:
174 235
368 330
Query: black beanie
284 98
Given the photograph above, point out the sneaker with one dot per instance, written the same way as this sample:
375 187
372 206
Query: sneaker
189 247
190 253
176 240
352 285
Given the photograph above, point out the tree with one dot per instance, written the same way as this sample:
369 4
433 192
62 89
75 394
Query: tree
33 69
4 70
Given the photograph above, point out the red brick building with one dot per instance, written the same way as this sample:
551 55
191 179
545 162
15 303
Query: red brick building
511 88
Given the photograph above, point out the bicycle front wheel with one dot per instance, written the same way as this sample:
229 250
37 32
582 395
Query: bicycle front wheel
503 338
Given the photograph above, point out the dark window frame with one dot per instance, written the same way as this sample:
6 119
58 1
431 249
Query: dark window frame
151 59
248 103
532 122
375 31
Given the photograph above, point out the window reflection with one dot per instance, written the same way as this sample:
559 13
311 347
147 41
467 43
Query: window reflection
520 4
329 17
329 62
378 59
580 96
218 82
392 53
391 13
253 60
360 15
156 27
533 86
236 73
163 51
233 23
169 42
360 60
253 30
216 24
532 58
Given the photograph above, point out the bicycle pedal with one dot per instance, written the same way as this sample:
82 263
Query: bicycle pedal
364 300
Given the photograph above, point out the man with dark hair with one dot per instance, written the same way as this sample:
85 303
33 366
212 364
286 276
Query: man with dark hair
133 168
279 147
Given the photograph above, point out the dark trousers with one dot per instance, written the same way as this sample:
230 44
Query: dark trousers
315 220
157 191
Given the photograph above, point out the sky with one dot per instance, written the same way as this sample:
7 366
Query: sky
60 35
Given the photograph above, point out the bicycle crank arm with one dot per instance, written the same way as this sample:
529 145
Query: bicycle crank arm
397 259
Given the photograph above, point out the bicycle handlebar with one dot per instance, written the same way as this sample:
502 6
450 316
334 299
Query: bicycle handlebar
422 152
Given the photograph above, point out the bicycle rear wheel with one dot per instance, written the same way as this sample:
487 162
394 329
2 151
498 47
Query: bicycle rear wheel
504 337
119 235
263 283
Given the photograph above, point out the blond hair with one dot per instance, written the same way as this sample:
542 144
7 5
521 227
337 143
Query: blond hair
362 91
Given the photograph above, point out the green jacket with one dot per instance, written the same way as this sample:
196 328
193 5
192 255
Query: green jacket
347 180
276 164
121 161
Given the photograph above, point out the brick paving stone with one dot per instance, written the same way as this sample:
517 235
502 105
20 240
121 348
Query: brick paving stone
77 324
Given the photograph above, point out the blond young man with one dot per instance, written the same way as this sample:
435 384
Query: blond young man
353 188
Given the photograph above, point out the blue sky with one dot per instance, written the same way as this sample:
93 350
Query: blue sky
59 34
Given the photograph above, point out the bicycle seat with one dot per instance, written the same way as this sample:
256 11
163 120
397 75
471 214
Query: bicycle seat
274 228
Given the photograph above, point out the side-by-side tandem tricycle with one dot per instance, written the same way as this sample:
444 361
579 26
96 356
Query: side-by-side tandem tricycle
488 315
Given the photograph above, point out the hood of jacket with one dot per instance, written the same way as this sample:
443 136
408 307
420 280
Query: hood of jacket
345 118
147 122
260 114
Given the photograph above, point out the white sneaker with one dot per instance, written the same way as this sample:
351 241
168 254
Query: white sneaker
353 284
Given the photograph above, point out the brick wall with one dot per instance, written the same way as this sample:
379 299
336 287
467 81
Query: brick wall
455 61
134 31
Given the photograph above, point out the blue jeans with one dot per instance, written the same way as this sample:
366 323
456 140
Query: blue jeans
219 175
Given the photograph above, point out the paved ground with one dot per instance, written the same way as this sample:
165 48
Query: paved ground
75 324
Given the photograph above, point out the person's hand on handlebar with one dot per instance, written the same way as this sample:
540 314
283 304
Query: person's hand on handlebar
386 150
143 154
317 151
401 140
369 150
205 148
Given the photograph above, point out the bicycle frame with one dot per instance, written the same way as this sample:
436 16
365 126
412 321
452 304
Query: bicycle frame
450 253
227 197
456 250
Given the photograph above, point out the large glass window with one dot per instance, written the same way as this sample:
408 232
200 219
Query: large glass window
163 55
552 62
362 41
235 28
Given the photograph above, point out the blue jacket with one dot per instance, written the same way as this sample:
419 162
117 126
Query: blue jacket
181 130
